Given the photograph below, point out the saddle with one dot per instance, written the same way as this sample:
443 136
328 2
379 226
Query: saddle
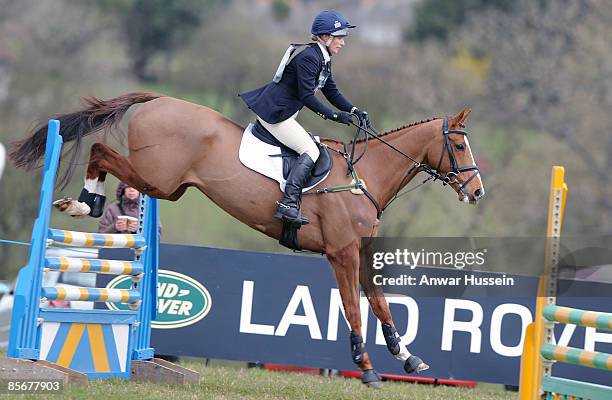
289 156
263 153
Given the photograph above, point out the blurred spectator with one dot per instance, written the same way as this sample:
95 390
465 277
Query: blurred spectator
122 215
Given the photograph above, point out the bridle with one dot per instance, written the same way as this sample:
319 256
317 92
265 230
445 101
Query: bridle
449 178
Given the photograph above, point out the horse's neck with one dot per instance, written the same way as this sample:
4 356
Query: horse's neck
384 168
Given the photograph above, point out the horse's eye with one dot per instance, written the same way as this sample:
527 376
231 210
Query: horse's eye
460 146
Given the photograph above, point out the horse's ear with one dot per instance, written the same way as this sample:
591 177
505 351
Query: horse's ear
460 118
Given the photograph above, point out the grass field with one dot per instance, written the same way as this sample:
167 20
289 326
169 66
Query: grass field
229 382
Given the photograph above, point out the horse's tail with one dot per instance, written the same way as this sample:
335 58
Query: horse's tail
98 115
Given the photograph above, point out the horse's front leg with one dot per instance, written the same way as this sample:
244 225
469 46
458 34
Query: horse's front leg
380 308
346 267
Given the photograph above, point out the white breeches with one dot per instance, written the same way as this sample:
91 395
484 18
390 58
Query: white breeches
290 133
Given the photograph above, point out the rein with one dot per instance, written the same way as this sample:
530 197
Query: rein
368 130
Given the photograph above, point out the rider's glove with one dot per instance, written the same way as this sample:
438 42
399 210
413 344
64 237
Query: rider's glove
342 117
362 115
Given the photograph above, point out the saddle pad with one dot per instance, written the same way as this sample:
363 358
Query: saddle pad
256 155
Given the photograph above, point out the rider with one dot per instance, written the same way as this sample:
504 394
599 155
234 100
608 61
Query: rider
303 70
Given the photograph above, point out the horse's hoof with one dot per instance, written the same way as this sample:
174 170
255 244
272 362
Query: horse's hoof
62 204
72 207
371 379
414 364
374 385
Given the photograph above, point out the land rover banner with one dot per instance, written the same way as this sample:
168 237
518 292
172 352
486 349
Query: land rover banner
286 309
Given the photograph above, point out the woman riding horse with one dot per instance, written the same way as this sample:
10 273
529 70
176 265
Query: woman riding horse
174 144
304 70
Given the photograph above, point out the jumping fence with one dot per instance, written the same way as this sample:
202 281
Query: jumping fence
75 345
540 351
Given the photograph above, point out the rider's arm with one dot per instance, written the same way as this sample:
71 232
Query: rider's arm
307 74
333 95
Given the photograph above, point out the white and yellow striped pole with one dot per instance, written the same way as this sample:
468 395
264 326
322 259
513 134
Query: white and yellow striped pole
532 368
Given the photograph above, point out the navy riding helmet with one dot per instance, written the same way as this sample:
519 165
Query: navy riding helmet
331 23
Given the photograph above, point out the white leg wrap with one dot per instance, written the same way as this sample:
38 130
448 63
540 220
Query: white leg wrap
100 188
90 185
403 353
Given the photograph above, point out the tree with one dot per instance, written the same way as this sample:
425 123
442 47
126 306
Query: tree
281 9
438 18
46 60
551 71
157 27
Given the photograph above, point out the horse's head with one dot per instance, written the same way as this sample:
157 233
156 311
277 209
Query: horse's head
451 156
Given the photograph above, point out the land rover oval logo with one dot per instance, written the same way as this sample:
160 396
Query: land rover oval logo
181 300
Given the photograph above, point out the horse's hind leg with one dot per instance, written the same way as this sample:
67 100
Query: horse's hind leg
380 308
92 198
105 160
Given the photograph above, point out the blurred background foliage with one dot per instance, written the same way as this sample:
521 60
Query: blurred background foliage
537 74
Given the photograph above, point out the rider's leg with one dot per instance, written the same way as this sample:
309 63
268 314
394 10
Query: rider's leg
292 135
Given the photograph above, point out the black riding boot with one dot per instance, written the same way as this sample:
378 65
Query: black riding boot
289 205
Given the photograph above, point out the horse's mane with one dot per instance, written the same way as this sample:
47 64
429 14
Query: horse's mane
423 121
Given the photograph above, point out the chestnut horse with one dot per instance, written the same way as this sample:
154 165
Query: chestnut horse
174 144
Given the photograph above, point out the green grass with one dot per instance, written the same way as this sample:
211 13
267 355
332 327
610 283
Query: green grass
229 381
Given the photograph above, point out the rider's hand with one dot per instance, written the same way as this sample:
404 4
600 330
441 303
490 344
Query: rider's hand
361 114
342 117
